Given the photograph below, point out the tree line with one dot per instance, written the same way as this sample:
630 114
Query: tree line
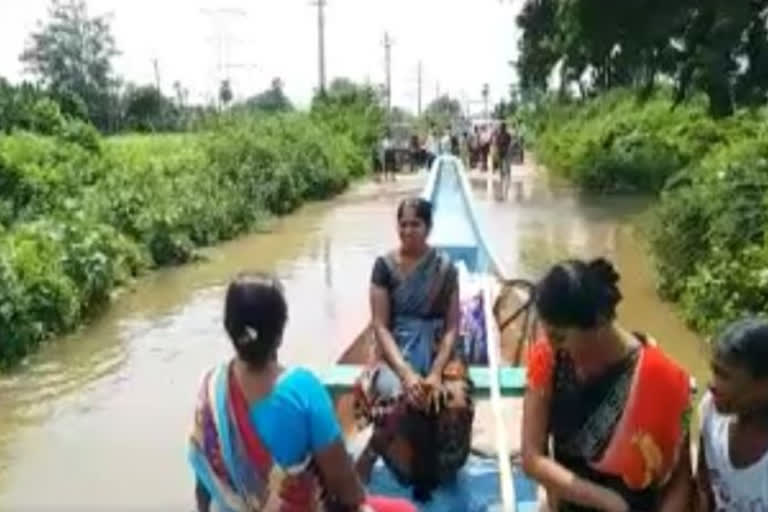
70 59
715 47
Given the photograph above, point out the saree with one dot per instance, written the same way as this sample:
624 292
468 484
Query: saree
623 430
233 464
422 448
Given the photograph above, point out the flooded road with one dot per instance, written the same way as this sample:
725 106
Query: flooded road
98 421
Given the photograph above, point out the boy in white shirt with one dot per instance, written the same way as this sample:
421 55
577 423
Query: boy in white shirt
733 455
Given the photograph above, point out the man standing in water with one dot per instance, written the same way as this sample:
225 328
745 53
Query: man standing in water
503 144
733 457
432 147
388 157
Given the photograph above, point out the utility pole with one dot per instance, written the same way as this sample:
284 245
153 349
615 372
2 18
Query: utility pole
420 82
320 4
486 94
157 73
388 64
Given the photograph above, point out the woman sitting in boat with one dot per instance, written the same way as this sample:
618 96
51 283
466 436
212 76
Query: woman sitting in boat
615 407
266 437
417 393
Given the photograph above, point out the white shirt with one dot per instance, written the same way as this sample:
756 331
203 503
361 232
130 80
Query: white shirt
735 490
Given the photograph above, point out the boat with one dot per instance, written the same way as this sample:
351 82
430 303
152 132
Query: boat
496 362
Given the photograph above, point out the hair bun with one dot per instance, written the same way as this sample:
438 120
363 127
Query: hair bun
603 270
249 336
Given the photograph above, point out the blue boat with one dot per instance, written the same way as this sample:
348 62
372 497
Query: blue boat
487 483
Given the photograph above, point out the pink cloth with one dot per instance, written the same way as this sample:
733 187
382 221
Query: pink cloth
382 504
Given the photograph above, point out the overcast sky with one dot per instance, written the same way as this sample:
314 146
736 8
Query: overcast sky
462 43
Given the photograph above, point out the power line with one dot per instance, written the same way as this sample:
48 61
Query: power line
222 38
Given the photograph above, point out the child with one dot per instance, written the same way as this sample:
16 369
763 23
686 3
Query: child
733 455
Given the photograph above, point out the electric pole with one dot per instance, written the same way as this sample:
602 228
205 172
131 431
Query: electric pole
388 65
420 82
320 4
157 73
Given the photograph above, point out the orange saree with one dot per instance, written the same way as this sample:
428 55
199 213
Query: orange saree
624 429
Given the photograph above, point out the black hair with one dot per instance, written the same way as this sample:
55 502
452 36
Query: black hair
745 343
255 313
575 293
421 207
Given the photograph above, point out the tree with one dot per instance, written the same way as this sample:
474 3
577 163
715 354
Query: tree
539 45
272 100
225 92
71 55
719 47
146 109
351 108
400 116
443 112
181 94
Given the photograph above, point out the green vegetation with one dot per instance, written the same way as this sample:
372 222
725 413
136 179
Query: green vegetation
80 215
666 98
715 47
708 234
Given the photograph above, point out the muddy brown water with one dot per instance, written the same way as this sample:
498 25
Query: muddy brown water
97 420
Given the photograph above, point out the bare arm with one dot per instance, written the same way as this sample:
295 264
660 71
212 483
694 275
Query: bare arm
676 495
379 297
557 479
339 475
448 340
705 500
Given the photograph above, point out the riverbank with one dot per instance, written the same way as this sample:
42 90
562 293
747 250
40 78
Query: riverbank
707 229
77 221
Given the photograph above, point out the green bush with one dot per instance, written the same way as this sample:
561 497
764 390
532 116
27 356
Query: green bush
81 215
709 235
618 142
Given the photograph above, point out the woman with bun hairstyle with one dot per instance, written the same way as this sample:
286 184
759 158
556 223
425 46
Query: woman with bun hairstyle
265 437
614 407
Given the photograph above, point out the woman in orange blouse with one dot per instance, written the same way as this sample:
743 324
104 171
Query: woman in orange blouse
614 406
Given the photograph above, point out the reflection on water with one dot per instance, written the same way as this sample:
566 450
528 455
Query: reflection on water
97 420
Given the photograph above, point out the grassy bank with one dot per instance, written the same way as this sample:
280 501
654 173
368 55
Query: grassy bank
708 234
81 215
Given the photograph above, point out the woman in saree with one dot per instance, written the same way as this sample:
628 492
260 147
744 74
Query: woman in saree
615 408
265 437
417 393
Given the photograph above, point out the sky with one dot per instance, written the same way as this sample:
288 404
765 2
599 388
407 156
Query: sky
461 44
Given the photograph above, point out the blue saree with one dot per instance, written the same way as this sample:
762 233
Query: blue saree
421 448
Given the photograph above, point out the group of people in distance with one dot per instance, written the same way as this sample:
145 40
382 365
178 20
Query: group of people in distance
483 148
607 415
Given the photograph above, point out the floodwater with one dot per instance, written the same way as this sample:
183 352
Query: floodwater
98 420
